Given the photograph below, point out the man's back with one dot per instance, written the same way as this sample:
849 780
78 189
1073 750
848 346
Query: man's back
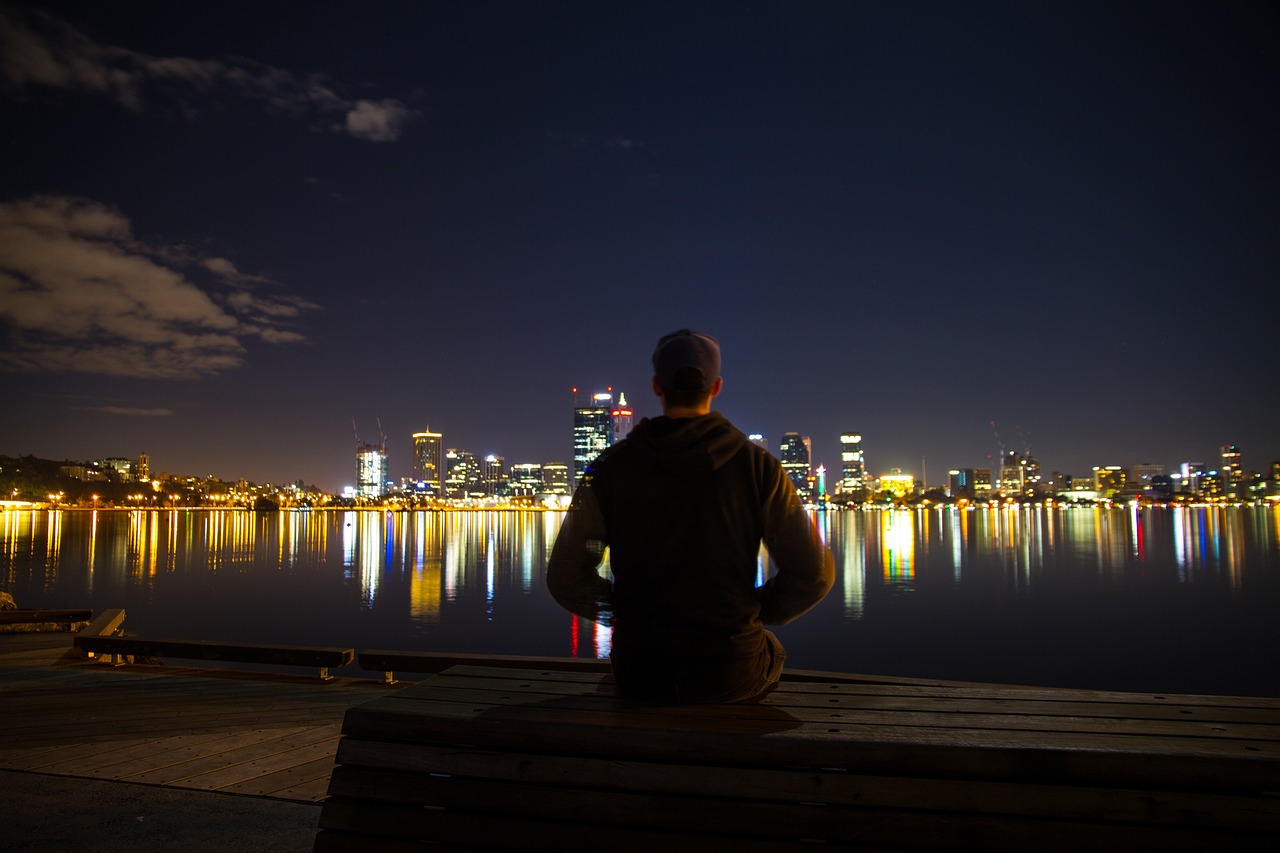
684 505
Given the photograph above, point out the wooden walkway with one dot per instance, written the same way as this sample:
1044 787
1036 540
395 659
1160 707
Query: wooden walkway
265 734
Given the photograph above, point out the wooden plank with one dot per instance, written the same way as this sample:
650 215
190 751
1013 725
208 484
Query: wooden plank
314 773
773 737
234 765
216 650
379 770
381 660
868 829
871 710
262 764
105 623
27 617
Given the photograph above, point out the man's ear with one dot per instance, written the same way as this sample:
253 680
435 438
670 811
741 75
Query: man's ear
715 386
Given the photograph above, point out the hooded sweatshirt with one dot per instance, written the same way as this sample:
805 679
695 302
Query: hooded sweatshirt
683 506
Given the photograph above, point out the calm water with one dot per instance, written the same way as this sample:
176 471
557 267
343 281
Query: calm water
1162 600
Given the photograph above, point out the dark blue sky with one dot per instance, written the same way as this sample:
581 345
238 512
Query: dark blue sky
226 229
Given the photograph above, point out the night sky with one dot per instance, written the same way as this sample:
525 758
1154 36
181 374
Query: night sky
229 229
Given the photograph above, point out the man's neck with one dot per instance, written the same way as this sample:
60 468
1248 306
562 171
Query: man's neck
685 411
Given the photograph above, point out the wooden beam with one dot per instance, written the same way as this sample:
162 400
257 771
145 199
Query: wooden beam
321 657
29 617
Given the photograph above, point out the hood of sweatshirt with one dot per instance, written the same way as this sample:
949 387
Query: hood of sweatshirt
687 445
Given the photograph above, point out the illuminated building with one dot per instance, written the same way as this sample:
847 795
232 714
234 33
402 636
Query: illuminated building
898 484
758 440
371 470
462 474
493 475
593 429
526 478
555 478
853 469
1142 476
143 468
1012 475
795 451
621 419
1232 473
1108 481
981 483
428 461
960 482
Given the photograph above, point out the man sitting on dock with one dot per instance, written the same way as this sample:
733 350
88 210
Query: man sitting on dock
682 505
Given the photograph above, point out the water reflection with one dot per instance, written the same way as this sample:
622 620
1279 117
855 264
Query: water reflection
472 581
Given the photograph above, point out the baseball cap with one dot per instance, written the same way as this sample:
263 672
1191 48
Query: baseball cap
686 349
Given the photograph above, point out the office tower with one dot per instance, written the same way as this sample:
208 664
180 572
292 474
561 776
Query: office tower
1232 473
853 469
1109 481
795 452
493 475
758 440
462 474
898 484
371 470
555 478
1141 476
143 468
428 461
1012 474
621 417
960 482
526 479
592 430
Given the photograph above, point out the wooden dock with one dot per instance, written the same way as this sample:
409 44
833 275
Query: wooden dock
265 734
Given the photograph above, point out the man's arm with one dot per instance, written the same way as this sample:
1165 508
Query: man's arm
806 569
572 576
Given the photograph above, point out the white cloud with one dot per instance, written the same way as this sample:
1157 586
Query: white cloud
377 122
39 50
79 293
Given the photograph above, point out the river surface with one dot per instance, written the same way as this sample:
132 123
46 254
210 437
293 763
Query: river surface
1177 600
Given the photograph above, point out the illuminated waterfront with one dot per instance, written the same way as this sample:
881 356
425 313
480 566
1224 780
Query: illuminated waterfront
1159 599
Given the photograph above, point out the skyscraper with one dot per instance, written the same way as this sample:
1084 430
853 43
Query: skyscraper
428 461
621 417
795 452
371 470
853 469
593 429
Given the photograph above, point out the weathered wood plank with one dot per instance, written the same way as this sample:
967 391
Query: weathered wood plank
375 770
214 770
217 650
32 617
512 828
871 710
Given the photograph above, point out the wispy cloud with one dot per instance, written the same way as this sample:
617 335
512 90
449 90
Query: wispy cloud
38 50
80 293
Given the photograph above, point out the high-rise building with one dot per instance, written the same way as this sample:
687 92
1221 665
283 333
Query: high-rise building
526 479
795 452
462 474
1013 475
555 478
853 468
143 468
371 470
493 476
621 417
758 440
428 461
1109 480
593 429
1232 473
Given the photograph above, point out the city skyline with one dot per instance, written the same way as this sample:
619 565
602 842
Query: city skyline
237 227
